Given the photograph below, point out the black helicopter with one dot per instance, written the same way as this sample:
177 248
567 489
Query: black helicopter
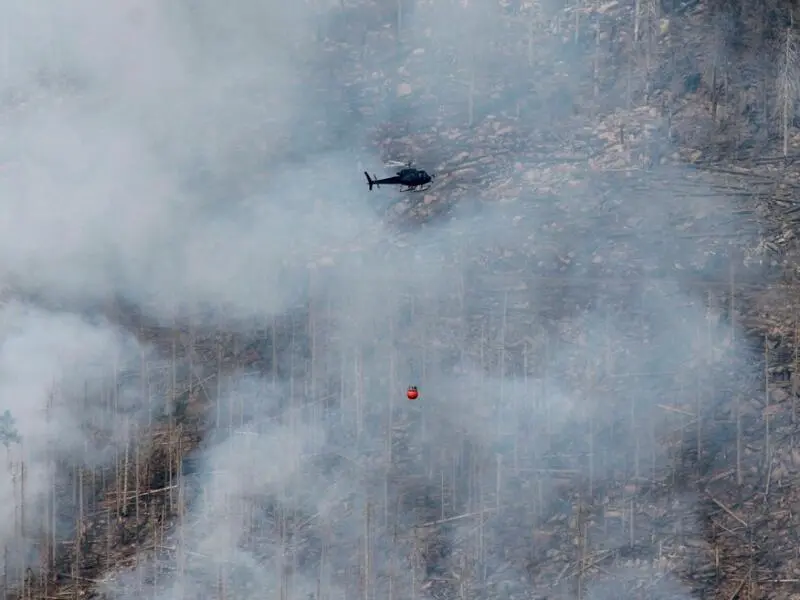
413 180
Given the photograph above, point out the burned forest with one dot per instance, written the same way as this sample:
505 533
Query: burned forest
208 322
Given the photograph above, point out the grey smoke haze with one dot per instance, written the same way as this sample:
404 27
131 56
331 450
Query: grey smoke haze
54 379
202 157
123 121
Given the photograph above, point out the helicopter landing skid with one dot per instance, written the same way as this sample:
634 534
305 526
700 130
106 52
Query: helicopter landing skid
416 189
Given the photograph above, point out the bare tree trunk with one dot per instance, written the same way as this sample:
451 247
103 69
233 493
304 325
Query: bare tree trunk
596 69
367 554
637 24
651 46
767 417
787 88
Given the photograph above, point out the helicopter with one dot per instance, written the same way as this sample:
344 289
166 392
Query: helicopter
414 180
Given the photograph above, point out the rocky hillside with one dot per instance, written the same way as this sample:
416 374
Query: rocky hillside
597 298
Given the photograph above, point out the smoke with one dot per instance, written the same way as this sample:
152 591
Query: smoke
201 162
67 410
146 167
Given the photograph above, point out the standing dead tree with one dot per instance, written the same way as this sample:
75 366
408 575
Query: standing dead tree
788 85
